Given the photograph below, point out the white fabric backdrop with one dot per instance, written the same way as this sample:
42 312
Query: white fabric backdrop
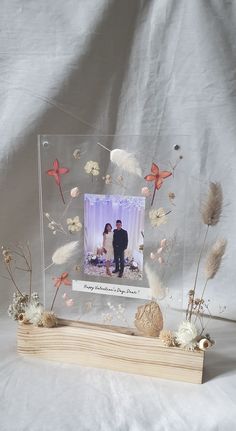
128 67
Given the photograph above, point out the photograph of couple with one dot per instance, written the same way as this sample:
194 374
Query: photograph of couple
113 236
114 245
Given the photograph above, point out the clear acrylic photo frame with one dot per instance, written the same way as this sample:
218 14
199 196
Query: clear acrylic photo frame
67 177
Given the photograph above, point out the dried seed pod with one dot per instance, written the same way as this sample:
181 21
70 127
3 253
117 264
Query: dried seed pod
149 319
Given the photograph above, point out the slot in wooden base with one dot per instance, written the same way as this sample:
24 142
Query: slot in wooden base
110 347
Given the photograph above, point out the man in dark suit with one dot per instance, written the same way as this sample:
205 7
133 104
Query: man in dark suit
120 243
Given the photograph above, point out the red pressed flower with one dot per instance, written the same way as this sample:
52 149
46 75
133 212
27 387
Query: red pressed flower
158 177
63 279
56 172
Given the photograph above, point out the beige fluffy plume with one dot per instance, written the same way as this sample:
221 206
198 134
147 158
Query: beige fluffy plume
212 206
126 161
158 291
214 258
65 253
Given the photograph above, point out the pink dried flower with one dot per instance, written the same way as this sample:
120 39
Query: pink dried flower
145 191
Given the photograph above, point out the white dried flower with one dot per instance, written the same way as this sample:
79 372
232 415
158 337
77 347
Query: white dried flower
107 179
74 225
33 314
186 335
157 217
92 168
75 192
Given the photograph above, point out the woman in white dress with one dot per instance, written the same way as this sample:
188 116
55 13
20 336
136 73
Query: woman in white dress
108 246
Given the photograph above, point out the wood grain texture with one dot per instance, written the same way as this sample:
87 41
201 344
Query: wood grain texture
110 347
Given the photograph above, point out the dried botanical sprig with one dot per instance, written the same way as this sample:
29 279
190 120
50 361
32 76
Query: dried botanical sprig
17 259
214 258
212 206
211 212
54 226
212 265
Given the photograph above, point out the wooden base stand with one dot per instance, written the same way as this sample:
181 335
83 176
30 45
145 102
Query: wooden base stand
110 347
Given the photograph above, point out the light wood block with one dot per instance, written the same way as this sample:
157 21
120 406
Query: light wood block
110 347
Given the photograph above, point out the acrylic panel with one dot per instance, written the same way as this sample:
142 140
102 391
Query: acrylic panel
112 217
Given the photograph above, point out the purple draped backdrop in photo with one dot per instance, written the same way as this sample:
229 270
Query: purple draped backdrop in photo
102 209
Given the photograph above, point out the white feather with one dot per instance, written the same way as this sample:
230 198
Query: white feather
158 291
64 253
126 161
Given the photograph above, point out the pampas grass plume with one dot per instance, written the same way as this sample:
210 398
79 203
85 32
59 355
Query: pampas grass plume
212 207
64 253
214 258
155 284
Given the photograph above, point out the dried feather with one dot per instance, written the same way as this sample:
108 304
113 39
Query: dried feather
158 291
214 258
126 161
212 207
65 253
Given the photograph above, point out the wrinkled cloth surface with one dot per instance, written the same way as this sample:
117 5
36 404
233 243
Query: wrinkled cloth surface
129 67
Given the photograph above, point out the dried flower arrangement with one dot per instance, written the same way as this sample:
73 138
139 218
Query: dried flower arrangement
25 307
191 334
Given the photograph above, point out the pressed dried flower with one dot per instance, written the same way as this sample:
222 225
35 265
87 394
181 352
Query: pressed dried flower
107 179
56 172
167 337
76 154
69 302
145 191
157 217
163 242
74 225
212 206
92 168
49 319
75 192
158 177
214 258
